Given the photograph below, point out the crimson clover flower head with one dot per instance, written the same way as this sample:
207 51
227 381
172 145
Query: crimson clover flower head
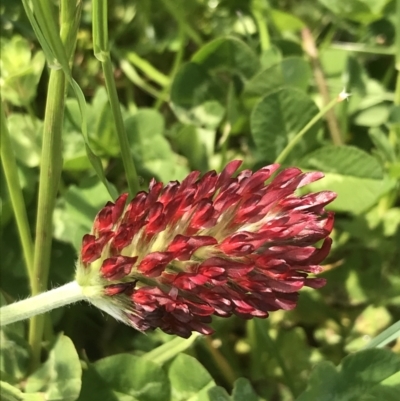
216 245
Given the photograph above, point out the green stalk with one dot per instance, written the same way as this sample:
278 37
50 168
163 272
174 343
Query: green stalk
42 303
171 349
285 152
102 53
257 11
394 134
150 71
50 171
14 188
387 336
362 48
51 166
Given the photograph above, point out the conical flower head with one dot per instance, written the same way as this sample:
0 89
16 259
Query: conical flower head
216 245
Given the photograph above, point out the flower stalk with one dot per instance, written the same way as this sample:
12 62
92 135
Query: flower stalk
41 303
102 53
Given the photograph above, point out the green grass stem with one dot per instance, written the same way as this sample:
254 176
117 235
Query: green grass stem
102 53
51 157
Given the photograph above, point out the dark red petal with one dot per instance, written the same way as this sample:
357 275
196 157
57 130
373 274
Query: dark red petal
203 215
115 289
169 192
89 251
237 245
155 189
182 247
257 180
135 209
284 178
104 221
92 248
117 267
156 219
154 263
124 235
119 207
227 172
206 186
315 282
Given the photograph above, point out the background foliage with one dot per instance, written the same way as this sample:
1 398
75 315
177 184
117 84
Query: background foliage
201 83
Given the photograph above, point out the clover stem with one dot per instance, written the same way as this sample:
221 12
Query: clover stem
41 303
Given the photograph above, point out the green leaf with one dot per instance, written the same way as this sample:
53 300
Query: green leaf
285 21
196 144
199 89
277 118
227 54
364 11
26 138
353 174
373 116
368 368
344 160
151 150
323 384
75 212
243 390
134 379
20 72
94 388
196 97
218 394
188 378
383 145
388 390
291 71
14 355
60 376
354 379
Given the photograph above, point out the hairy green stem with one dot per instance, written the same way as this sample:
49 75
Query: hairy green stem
285 152
102 53
41 303
14 188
